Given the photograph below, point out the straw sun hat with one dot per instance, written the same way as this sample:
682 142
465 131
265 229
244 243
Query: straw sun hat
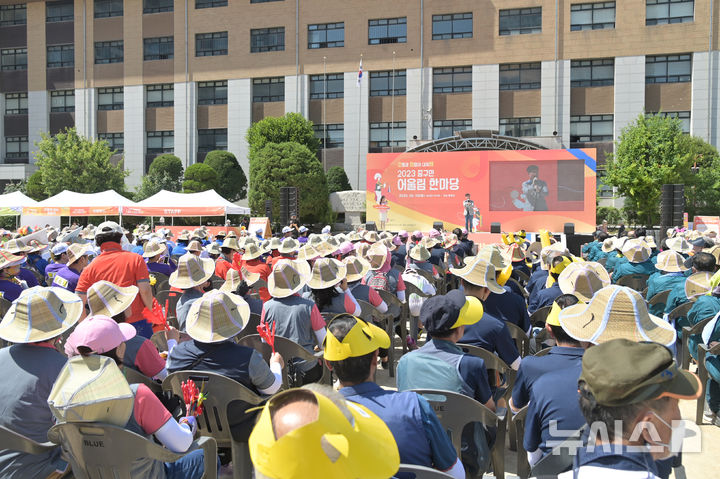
678 244
671 262
153 248
107 299
40 314
377 255
357 268
289 246
217 316
480 273
698 284
326 273
493 255
419 253
636 250
192 271
288 277
583 279
615 312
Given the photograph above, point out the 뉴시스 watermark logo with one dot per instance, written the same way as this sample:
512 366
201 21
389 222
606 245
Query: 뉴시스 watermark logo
686 438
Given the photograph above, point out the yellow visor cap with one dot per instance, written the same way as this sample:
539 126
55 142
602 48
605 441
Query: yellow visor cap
553 317
330 446
505 275
471 313
363 338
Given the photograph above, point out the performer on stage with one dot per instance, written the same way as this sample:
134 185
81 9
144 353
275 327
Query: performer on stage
469 210
535 189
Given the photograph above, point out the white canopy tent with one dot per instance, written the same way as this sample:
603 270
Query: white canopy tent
70 203
12 204
171 204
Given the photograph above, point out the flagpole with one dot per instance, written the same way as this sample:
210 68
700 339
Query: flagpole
359 120
323 110
392 104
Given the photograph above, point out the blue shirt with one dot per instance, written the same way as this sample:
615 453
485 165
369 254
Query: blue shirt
676 297
544 297
28 276
537 281
37 261
401 411
66 278
508 307
533 367
659 282
616 457
183 305
10 290
614 260
626 269
554 397
162 268
179 250
491 334
51 269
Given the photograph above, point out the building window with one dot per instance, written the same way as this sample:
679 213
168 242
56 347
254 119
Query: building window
683 116
331 135
518 21
115 140
520 76
108 8
109 52
604 191
387 30
14 59
59 11
587 128
267 40
453 25
668 68
160 95
158 48
59 56
326 35
159 142
110 98
269 89
662 12
264 1
600 72
212 93
592 16
387 134
16 103
62 101
13 15
211 44
327 86
452 80
157 6
447 128
212 139
382 83
210 3
16 147
529 126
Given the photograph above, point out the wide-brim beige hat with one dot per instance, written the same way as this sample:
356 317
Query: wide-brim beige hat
308 252
153 248
326 273
715 251
217 316
480 273
493 255
8 260
288 277
650 240
77 251
36 246
108 299
678 244
671 262
15 246
419 253
252 251
194 247
429 242
377 255
515 253
231 242
357 267
636 250
354 236
615 312
371 236
583 279
698 284
232 281
39 314
289 246
608 245
273 243
213 248
191 271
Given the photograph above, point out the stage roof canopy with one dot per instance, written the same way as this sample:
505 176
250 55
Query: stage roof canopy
168 203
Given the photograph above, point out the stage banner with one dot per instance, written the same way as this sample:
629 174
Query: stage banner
71 211
179 211
520 189
706 224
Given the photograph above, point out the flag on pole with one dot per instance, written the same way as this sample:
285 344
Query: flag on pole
359 81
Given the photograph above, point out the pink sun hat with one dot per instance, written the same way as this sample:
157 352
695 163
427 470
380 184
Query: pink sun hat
99 333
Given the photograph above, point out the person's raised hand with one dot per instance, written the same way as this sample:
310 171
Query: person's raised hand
276 358
172 333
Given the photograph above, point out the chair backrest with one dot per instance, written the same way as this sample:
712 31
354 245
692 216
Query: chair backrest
518 422
136 377
427 275
520 287
389 298
634 281
98 451
169 298
561 457
161 282
159 340
680 311
4 306
412 289
602 260
520 337
539 316
421 472
14 441
493 363
250 327
287 348
522 277
659 298
221 393
543 352
456 410
688 331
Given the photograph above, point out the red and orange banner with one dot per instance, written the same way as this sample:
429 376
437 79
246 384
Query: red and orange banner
179 211
520 189
71 211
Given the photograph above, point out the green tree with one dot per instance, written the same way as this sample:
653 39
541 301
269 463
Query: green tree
199 177
291 127
289 164
650 152
165 173
20 186
702 192
232 182
337 180
68 161
612 215
34 187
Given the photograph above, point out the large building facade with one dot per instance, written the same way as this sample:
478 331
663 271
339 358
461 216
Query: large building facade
190 76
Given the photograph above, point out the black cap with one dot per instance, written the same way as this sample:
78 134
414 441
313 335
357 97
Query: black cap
440 313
